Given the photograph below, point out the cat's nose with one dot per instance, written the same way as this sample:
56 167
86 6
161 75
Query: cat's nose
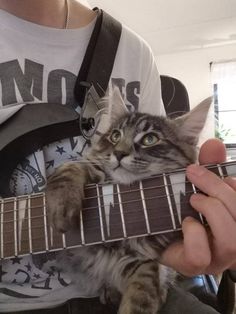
120 154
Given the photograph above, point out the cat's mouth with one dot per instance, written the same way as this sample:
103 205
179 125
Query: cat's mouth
128 168
117 167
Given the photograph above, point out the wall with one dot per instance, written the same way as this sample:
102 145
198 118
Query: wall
193 69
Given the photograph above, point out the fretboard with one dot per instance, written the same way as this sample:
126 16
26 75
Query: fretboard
110 212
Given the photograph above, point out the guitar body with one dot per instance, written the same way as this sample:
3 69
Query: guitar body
32 127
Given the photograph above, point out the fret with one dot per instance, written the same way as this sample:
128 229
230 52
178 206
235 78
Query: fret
82 228
194 188
1 226
144 207
64 241
220 171
51 242
169 201
29 225
45 223
100 213
15 226
121 211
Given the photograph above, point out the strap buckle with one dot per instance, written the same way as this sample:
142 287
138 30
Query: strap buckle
91 111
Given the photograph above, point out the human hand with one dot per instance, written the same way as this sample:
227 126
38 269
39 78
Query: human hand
209 250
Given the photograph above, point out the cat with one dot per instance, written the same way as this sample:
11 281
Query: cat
131 146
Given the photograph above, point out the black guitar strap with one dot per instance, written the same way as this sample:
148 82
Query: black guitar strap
99 57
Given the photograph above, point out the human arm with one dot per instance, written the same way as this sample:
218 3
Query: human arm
213 250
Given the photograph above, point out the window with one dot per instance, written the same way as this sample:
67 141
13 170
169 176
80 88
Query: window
224 89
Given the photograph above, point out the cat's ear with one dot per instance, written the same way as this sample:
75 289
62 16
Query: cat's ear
114 108
116 105
191 124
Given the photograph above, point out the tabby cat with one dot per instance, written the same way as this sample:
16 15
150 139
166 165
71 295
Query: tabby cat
131 146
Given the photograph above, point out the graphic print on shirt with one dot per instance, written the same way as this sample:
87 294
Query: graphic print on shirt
23 273
32 83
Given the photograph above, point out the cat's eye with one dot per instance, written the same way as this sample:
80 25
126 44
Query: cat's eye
149 139
115 136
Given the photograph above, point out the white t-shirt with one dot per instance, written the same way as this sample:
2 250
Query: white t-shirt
40 64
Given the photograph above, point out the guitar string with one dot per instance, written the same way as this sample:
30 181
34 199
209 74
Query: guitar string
130 190
94 198
129 213
113 225
147 189
168 174
135 211
177 171
136 200
39 250
168 215
128 216
169 229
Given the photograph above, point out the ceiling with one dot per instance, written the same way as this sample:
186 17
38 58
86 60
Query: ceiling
170 26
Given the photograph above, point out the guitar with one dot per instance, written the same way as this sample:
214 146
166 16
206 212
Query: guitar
111 212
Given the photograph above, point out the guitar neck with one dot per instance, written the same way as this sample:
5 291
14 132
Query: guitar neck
111 212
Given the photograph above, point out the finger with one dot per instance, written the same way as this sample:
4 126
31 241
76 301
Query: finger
213 186
192 256
212 152
217 216
231 181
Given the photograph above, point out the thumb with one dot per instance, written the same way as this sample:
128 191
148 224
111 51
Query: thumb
212 151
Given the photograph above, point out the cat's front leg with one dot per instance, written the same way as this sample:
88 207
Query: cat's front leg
143 292
64 195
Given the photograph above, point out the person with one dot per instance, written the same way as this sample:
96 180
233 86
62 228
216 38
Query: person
42 48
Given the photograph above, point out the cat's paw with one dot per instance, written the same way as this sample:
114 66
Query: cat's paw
64 195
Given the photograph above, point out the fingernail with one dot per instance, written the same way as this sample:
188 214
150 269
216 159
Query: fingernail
188 219
196 170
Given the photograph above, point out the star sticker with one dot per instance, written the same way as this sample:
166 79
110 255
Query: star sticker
2 273
28 266
16 260
60 150
37 276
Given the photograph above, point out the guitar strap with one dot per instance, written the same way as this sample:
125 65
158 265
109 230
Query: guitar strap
99 57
